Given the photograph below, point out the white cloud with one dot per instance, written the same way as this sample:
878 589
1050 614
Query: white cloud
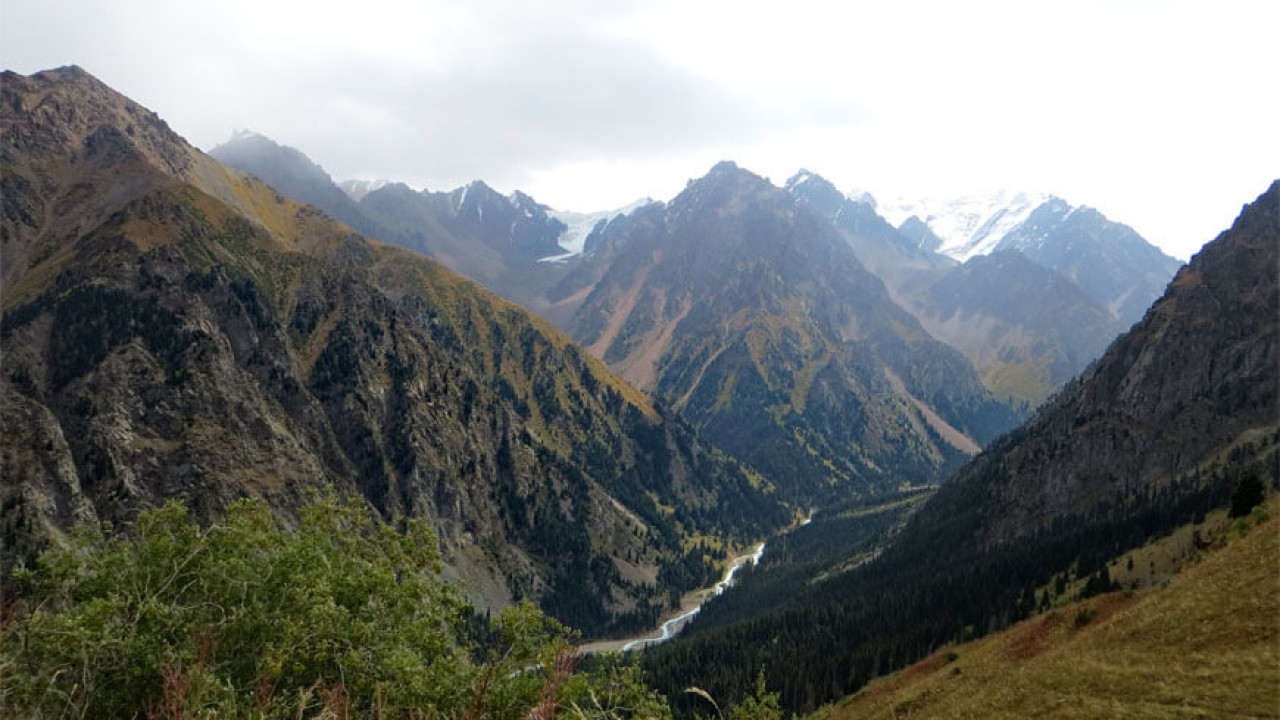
1160 113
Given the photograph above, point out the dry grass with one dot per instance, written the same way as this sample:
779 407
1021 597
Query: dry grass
1207 645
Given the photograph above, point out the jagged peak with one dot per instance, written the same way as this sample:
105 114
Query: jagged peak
724 166
727 171
808 179
523 201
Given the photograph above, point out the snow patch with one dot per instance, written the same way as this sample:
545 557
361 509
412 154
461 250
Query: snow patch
970 225
578 227
357 189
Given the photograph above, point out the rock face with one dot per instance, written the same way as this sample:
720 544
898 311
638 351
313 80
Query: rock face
1026 328
1196 382
1114 265
175 329
749 314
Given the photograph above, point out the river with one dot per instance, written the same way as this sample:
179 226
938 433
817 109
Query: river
691 605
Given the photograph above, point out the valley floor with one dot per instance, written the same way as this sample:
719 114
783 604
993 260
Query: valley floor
1207 645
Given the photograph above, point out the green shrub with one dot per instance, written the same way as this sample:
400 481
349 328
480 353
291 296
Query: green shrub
1085 616
344 616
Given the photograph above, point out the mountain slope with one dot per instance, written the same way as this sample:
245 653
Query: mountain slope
174 329
289 171
1160 430
1206 645
1025 328
752 317
504 242
1197 377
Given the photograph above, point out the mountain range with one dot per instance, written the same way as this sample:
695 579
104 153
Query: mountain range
173 328
1172 421
1088 278
1026 327
662 385
751 316
692 301
1112 264
508 243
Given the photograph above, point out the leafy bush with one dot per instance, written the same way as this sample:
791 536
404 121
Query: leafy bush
342 617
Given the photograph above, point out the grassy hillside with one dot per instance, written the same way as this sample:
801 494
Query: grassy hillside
1205 645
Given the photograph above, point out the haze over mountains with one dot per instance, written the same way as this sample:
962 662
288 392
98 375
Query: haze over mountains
175 329
1026 326
754 319
725 363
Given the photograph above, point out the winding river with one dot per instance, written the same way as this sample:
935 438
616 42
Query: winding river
671 627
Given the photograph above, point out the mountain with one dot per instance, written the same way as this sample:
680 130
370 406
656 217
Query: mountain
920 234
581 227
1196 378
968 225
511 244
1113 264
1177 416
1026 328
173 328
289 171
357 189
751 316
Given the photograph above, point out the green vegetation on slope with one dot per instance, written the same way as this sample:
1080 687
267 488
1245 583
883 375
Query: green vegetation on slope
1208 644
751 316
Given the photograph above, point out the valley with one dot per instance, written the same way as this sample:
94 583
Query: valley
463 430
690 605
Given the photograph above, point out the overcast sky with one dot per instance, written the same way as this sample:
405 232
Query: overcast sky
1164 115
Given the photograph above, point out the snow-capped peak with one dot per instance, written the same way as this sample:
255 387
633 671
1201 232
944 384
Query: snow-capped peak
357 189
862 197
969 225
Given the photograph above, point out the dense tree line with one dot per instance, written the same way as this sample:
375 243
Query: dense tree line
926 590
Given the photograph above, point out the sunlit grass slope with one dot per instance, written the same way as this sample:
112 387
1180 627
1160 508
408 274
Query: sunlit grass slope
1207 645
